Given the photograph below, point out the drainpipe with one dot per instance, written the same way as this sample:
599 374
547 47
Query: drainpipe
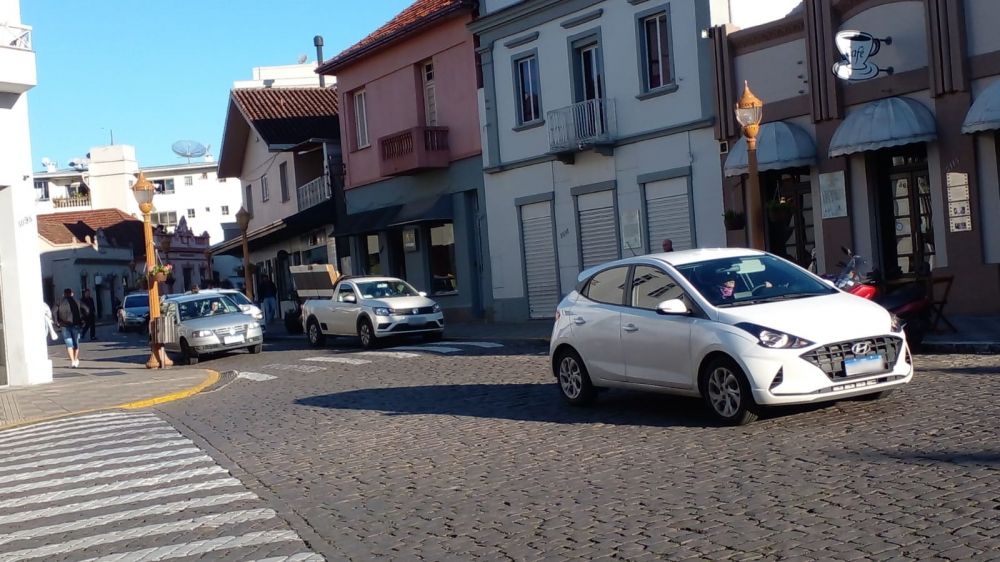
318 42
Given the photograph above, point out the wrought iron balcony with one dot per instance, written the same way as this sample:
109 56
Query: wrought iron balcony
413 150
590 123
69 202
313 193
17 60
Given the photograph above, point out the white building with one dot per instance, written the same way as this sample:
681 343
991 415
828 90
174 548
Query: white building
597 129
23 350
191 190
283 76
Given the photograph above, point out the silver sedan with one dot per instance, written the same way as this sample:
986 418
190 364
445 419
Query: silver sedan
200 324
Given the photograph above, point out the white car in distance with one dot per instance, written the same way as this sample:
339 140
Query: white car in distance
740 328
372 308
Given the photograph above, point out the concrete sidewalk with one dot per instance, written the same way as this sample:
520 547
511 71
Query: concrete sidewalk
112 374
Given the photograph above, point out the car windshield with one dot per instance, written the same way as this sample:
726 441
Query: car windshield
388 289
238 298
746 280
208 306
136 301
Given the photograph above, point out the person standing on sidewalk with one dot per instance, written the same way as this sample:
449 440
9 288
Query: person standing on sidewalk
70 315
90 320
268 298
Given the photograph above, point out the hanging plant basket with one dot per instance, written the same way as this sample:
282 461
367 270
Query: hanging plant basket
734 220
779 212
159 277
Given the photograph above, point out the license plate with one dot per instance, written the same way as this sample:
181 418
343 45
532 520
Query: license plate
232 339
864 365
415 320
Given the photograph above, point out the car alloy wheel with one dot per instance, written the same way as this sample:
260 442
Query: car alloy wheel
574 381
728 394
315 334
366 334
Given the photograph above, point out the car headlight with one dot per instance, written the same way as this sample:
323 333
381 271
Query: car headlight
436 308
203 333
382 311
258 315
773 339
129 314
896 323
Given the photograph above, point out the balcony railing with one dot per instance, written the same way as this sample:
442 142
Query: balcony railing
68 202
16 36
17 60
582 125
413 150
313 193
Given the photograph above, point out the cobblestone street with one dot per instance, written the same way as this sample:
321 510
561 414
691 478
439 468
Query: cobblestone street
472 454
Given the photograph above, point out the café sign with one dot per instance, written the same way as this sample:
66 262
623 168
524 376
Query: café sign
856 50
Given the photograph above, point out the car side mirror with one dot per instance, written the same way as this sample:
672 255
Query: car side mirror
672 307
422 293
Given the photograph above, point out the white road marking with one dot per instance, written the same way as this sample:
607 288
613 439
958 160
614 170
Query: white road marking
298 557
433 348
207 521
199 547
31 433
105 453
153 429
113 487
334 359
297 368
389 354
89 476
117 500
259 377
33 474
482 344
165 509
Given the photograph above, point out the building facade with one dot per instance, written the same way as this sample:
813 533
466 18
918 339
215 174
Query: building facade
283 146
192 190
24 357
879 134
415 206
598 143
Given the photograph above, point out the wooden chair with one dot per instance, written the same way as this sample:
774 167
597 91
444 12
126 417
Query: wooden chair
938 299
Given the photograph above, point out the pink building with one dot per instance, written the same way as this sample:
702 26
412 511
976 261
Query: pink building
410 133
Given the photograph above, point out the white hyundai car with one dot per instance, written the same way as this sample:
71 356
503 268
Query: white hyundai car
740 328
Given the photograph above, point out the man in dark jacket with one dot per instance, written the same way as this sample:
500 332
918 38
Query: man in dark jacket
70 316
90 320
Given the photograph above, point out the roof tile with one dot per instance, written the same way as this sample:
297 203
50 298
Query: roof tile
290 115
121 228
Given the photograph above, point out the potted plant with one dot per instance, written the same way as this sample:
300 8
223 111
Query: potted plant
160 272
779 210
735 220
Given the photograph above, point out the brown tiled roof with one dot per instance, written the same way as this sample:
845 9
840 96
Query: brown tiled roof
290 115
121 229
419 14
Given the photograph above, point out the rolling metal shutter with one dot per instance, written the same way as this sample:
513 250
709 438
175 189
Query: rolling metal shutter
668 214
598 228
539 259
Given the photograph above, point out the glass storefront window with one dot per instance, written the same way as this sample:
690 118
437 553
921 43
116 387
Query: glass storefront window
374 256
443 268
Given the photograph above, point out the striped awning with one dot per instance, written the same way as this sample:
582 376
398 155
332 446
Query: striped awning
884 123
779 145
984 115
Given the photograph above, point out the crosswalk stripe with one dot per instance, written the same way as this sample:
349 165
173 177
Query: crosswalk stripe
199 547
258 377
390 354
99 445
434 348
87 439
86 456
34 431
89 476
482 344
36 474
344 360
97 521
209 521
100 503
110 429
113 487
297 557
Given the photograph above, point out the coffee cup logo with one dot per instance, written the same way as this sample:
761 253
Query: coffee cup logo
857 48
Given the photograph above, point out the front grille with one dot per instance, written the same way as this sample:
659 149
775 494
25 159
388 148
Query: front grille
830 358
409 311
236 331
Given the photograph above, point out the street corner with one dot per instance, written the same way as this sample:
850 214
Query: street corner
211 378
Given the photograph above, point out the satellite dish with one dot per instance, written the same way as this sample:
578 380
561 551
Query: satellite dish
79 164
189 149
46 161
303 59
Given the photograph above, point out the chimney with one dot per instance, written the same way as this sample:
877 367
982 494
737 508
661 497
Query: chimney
318 42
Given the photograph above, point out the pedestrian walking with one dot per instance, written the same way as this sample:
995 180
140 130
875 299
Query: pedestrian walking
268 298
91 317
70 316
47 320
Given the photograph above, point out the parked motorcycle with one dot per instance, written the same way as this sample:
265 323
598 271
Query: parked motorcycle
907 301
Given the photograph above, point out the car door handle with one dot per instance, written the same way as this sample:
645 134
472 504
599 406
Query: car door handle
630 328
579 321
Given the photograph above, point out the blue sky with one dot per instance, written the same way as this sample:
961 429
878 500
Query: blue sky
158 71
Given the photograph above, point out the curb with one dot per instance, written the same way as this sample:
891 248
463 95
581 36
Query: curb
212 378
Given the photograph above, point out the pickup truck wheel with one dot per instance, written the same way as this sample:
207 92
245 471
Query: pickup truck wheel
315 334
187 354
366 333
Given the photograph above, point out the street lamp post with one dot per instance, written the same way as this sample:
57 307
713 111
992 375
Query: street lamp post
749 111
144 191
243 220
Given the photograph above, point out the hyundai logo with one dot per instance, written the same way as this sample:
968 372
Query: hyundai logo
861 348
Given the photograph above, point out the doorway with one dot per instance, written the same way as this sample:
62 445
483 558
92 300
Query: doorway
789 228
903 212
397 256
